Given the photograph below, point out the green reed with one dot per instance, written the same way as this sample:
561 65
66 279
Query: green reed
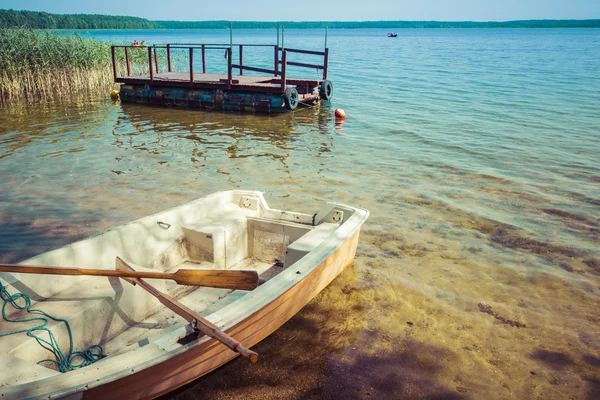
43 65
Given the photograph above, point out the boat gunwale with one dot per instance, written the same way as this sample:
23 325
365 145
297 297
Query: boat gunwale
226 318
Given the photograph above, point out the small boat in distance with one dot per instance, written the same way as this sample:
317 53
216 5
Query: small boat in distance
148 349
392 34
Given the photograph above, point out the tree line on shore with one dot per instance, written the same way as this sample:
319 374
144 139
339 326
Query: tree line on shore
43 20
591 23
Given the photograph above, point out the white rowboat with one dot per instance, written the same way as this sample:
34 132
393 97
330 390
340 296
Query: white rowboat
148 349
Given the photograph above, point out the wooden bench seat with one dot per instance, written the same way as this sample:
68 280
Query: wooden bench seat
308 242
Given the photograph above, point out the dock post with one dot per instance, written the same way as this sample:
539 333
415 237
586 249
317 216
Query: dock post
229 56
156 60
192 65
203 59
276 57
169 66
114 59
283 70
150 64
325 63
229 69
127 61
241 59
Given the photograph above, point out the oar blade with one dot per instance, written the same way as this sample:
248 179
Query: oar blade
225 279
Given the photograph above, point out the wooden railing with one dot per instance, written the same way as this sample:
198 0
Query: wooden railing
323 66
280 60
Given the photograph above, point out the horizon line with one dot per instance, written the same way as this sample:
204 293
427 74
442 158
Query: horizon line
357 21
323 20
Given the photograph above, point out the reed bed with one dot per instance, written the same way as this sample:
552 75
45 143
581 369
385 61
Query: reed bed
38 65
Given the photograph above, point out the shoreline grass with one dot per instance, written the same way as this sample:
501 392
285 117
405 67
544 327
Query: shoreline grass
39 65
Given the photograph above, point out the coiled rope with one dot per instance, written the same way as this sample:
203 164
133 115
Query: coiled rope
64 362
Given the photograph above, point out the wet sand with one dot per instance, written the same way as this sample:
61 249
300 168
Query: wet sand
424 315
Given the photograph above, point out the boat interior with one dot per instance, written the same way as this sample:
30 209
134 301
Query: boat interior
233 230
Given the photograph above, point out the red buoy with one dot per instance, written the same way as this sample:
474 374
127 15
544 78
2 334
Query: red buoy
339 113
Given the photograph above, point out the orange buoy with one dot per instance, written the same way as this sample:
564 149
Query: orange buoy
339 113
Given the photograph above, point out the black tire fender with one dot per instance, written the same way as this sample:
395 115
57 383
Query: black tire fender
326 90
290 98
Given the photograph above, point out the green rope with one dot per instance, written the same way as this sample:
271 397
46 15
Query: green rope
64 362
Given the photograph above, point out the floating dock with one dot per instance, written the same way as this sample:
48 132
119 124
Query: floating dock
162 81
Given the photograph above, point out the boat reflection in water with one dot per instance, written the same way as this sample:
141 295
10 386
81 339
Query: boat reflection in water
157 131
197 147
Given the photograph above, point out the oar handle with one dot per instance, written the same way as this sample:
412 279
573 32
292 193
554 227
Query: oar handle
203 325
249 354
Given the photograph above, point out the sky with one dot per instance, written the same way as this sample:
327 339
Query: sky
320 10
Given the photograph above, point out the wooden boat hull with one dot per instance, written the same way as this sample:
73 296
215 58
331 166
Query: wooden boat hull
202 359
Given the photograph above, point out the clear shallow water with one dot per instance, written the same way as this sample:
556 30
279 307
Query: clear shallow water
476 152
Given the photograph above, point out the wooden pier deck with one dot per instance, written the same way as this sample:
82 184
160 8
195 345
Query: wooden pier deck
264 84
228 90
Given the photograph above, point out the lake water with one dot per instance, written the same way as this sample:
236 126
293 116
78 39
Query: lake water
477 153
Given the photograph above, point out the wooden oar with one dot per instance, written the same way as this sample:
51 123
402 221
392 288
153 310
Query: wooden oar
196 320
241 280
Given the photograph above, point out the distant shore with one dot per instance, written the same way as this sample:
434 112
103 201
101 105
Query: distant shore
42 20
